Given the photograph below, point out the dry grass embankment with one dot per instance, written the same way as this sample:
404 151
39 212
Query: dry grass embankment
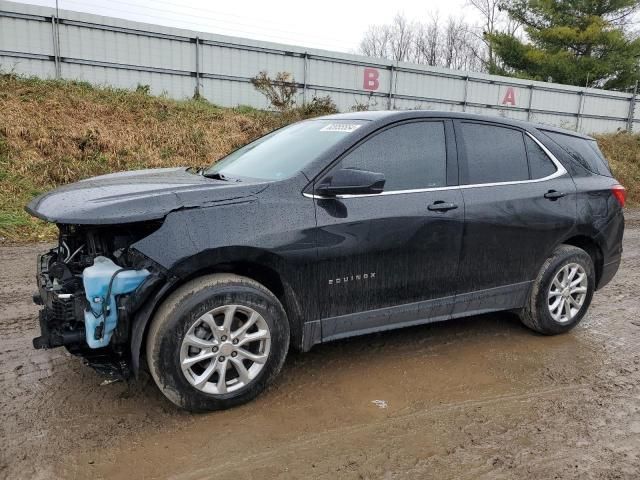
53 132
56 132
623 152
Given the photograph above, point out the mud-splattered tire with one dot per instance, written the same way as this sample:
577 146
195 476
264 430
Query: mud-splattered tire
204 319
542 311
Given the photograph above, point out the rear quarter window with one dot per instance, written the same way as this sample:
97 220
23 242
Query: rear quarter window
582 150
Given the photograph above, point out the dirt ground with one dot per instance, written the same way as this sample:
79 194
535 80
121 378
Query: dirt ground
481 397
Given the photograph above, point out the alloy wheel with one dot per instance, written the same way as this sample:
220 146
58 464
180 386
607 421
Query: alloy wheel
225 349
567 292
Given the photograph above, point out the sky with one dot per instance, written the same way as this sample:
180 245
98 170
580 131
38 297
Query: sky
328 24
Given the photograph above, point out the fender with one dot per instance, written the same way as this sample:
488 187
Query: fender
142 319
250 262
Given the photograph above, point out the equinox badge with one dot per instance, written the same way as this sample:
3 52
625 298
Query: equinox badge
352 278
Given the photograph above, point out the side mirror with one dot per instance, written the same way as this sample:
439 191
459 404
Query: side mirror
350 181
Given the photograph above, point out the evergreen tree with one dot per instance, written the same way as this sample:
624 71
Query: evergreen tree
575 42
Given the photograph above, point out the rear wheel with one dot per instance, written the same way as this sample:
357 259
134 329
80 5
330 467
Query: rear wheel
217 342
561 293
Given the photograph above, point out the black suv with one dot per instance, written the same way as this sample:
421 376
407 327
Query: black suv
327 228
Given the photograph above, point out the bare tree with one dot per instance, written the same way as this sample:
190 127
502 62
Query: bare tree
451 42
452 45
427 42
376 41
394 41
459 48
494 20
490 12
402 38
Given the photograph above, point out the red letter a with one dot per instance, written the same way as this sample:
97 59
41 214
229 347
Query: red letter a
509 97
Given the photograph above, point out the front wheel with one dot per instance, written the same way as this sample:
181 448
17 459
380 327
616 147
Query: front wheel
562 292
217 342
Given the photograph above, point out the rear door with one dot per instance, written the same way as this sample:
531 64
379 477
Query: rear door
394 248
519 203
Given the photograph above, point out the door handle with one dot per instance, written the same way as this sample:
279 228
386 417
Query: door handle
554 195
441 206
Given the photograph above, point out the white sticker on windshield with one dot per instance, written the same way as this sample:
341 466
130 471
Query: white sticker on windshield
341 127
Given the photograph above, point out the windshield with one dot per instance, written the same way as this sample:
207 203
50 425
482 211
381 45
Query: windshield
285 152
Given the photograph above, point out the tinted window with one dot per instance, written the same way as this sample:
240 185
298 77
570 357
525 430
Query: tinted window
411 156
585 152
494 154
540 164
285 152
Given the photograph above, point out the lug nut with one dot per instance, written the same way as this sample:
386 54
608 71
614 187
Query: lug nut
221 359
224 338
234 354
214 349
235 341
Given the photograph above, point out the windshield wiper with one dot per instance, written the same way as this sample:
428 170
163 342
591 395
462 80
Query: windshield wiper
216 176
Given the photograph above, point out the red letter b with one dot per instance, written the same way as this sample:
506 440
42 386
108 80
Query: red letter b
371 81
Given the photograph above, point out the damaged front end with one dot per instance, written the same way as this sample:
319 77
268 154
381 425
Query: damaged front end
90 286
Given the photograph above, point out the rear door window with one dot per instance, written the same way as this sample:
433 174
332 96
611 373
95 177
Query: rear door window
582 150
540 165
494 154
411 156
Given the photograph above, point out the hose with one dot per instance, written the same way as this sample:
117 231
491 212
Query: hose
68 259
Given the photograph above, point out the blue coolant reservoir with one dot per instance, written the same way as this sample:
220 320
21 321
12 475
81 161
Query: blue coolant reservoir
96 279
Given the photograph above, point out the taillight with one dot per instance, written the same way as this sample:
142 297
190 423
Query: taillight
620 193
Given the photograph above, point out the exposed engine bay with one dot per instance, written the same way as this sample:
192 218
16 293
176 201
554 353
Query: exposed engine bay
90 286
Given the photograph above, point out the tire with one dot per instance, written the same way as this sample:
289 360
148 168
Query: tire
195 314
537 313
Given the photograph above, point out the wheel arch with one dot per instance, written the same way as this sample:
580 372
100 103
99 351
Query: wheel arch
591 246
263 267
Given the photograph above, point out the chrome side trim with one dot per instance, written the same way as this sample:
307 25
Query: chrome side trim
560 170
391 192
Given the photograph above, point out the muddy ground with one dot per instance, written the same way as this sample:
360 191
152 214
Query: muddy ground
481 397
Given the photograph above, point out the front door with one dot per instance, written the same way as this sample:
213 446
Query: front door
392 255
